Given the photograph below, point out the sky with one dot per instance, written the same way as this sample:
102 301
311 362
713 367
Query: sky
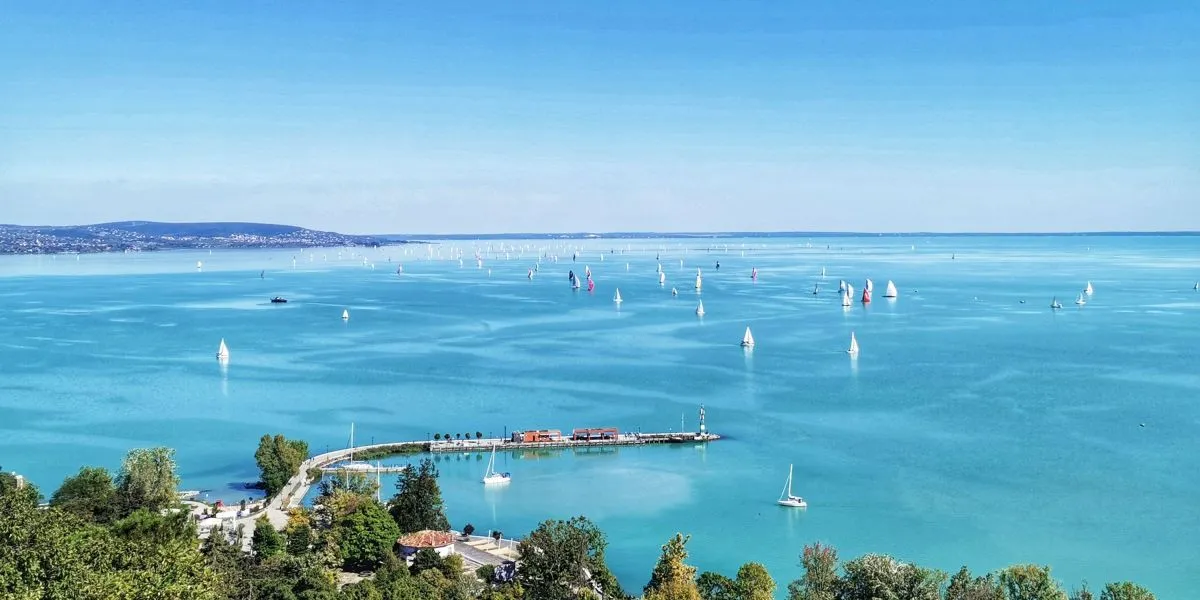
623 115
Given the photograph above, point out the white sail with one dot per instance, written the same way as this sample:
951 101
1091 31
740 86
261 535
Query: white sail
845 299
199 265
222 351
890 291
869 285
346 315
1079 300
491 476
700 309
1088 290
748 339
853 350
674 292
787 498
698 282
849 290
617 296
662 278
842 285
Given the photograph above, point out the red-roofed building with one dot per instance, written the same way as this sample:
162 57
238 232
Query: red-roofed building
441 542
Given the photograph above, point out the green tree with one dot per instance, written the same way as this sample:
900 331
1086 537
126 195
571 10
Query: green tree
754 583
715 586
366 536
147 480
300 539
1125 590
965 587
11 485
479 435
880 576
417 504
437 437
1030 582
426 559
89 495
673 579
820 579
266 542
561 559
153 527
279 459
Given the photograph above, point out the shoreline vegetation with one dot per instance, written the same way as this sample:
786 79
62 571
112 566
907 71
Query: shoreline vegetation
129 536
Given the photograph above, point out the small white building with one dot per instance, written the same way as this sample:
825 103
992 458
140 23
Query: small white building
441 542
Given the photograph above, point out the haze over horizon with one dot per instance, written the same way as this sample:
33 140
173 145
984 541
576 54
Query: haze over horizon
471 117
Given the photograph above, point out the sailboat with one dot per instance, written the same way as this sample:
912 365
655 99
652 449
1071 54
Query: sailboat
222 352
787 498
849 290
591 284
575 283
674 292
842 285
748 339
491 476
1055 304
345 314
845 299
1088 290
866 295
617 296
890 290
1080 300
869 286
816 289
853 349
700 309
352 465
754 274
698 280
662 278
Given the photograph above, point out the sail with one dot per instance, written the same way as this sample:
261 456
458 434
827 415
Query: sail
222 351
700 309
662 278
786 494
617 296
853 344
698 282
869 286
890 292
842 285
748 338
345 315
1088 290
845 299
866 296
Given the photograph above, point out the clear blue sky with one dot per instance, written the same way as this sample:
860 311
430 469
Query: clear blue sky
496 116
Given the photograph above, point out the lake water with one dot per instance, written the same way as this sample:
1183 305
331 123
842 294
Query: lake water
973 428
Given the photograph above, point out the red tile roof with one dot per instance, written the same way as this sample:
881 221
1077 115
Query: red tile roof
427 539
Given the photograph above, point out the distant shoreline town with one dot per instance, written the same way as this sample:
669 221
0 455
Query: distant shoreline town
149 236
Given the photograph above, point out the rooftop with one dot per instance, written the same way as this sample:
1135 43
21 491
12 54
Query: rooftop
426 539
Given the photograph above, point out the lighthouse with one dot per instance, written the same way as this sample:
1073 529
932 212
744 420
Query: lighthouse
702 431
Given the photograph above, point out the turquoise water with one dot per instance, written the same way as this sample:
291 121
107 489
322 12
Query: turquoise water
972 429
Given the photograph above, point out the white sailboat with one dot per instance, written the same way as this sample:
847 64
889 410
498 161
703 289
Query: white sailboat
890 291
222 352
845 299
699 282
849 290
352 465
491 477
748 339
853 349
345 314
1055 304
1088 290
1080 300
700 309
617 296
787 498
869 285
662 278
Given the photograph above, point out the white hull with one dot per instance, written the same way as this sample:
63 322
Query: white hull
793 503
497 479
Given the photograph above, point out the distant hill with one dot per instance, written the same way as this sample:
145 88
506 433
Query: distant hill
151 235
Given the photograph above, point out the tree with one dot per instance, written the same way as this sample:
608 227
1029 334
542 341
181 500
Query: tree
672 579
18 489
89 495
437 436
417 504
458 436
266 542
754 583
1030 582
964 587
426 559
820 580
877 575
468 529
279 459
479 435
147 480
299 539
1125 590
715 586
366 536
563 559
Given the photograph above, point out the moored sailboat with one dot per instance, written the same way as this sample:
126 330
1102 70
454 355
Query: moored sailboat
491 477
